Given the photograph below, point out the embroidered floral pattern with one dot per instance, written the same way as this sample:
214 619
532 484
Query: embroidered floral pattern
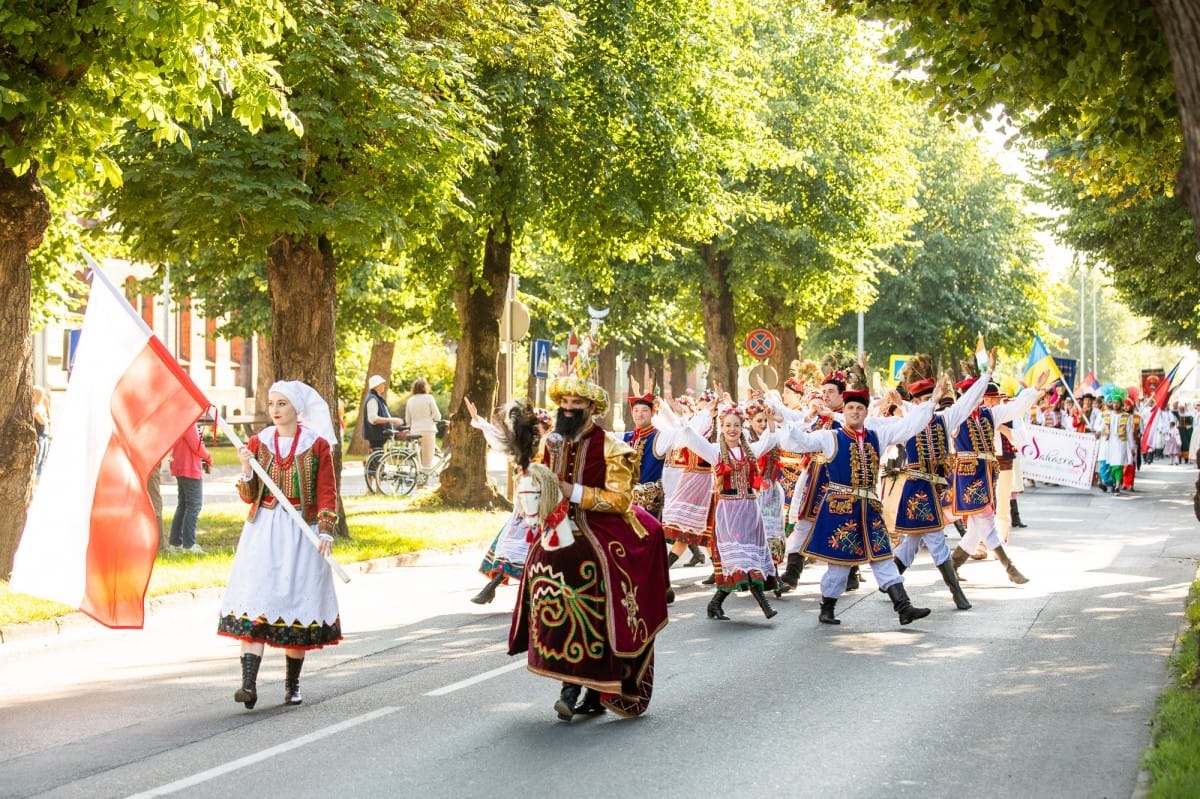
918 507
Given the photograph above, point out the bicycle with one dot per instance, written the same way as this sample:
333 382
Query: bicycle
393 470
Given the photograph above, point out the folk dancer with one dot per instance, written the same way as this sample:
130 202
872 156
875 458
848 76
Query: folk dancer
505 558
771 497
921 485
806 500
589 610
973 473
687 491
849 528
739 538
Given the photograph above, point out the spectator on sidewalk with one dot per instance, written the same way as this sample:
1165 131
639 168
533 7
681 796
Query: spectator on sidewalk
190 460
422 415
41 423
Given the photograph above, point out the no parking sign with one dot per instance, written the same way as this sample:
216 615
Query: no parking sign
760 343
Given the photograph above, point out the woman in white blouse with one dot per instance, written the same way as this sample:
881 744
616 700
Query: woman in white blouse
422 415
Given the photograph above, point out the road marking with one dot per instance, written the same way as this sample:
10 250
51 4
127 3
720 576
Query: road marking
487 675
249 760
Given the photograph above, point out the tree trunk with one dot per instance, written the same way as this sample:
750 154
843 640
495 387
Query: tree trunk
1181 23
679 371
24 216
479 303
720 330
606 366
302 286
786 350
266 373
380 363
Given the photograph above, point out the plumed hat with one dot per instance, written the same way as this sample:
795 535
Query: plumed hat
918 375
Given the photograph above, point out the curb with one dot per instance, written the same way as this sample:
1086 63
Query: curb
76 622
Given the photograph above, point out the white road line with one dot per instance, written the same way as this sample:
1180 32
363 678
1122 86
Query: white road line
487 675
249 760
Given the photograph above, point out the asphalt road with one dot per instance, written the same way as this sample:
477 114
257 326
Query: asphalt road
1042 690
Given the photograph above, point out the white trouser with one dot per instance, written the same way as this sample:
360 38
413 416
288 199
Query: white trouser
981 527
1004 492
935 542
833 582
799 534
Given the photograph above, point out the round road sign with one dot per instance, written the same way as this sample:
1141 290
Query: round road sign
760 343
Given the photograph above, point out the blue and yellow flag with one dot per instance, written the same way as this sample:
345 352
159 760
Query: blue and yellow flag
1040 363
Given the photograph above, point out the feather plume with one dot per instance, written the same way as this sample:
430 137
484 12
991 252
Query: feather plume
517 422
918 367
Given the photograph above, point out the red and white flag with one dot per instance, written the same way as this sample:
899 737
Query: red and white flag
91 534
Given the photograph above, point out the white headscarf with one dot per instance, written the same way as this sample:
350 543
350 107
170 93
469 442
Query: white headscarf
311 409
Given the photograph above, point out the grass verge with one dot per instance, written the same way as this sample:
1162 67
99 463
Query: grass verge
1172 760
379 527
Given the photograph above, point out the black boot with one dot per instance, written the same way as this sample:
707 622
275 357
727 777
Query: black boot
903 607
852 581
900 565
291 683
697 556
961 527
567 698
489 591
1016 513
761 599
590 706
710 579
671 558
950 577
827 606
714 606
791 575
1013 574
248 693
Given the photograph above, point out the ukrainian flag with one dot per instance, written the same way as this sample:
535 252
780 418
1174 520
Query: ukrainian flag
1040 363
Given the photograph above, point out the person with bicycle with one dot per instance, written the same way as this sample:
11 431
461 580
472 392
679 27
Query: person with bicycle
378 422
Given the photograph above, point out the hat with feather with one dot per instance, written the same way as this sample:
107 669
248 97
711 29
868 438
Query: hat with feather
918 375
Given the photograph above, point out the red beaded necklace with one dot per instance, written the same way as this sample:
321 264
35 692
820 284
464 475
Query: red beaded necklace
283 462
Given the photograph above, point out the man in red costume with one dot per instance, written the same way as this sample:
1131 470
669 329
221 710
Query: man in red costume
589 611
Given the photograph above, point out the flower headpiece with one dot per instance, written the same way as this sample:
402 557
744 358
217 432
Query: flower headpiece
725 409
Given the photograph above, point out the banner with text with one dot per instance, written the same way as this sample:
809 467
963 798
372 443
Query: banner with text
1060 457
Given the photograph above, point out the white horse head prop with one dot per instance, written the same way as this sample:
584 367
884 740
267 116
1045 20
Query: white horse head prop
544 507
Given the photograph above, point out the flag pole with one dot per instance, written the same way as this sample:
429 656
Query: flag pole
284 502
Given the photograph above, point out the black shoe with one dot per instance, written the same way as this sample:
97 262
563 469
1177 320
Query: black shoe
565 706
710 579
670 596
852 580
489 591
697 557
590 706
291 683
248 693
791 574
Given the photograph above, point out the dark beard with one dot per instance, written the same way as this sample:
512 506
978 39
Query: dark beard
568 423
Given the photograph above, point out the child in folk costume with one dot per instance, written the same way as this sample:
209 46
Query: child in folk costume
505 558
687 484
739 539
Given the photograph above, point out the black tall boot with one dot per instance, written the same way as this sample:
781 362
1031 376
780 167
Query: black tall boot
791 575
950 577
671 558
903 607
961 527
900 565
489 591
590 706
827 606
1016 513
248 693
291 683
852 580
567 697
697 556
714 606
761 599
1013 574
